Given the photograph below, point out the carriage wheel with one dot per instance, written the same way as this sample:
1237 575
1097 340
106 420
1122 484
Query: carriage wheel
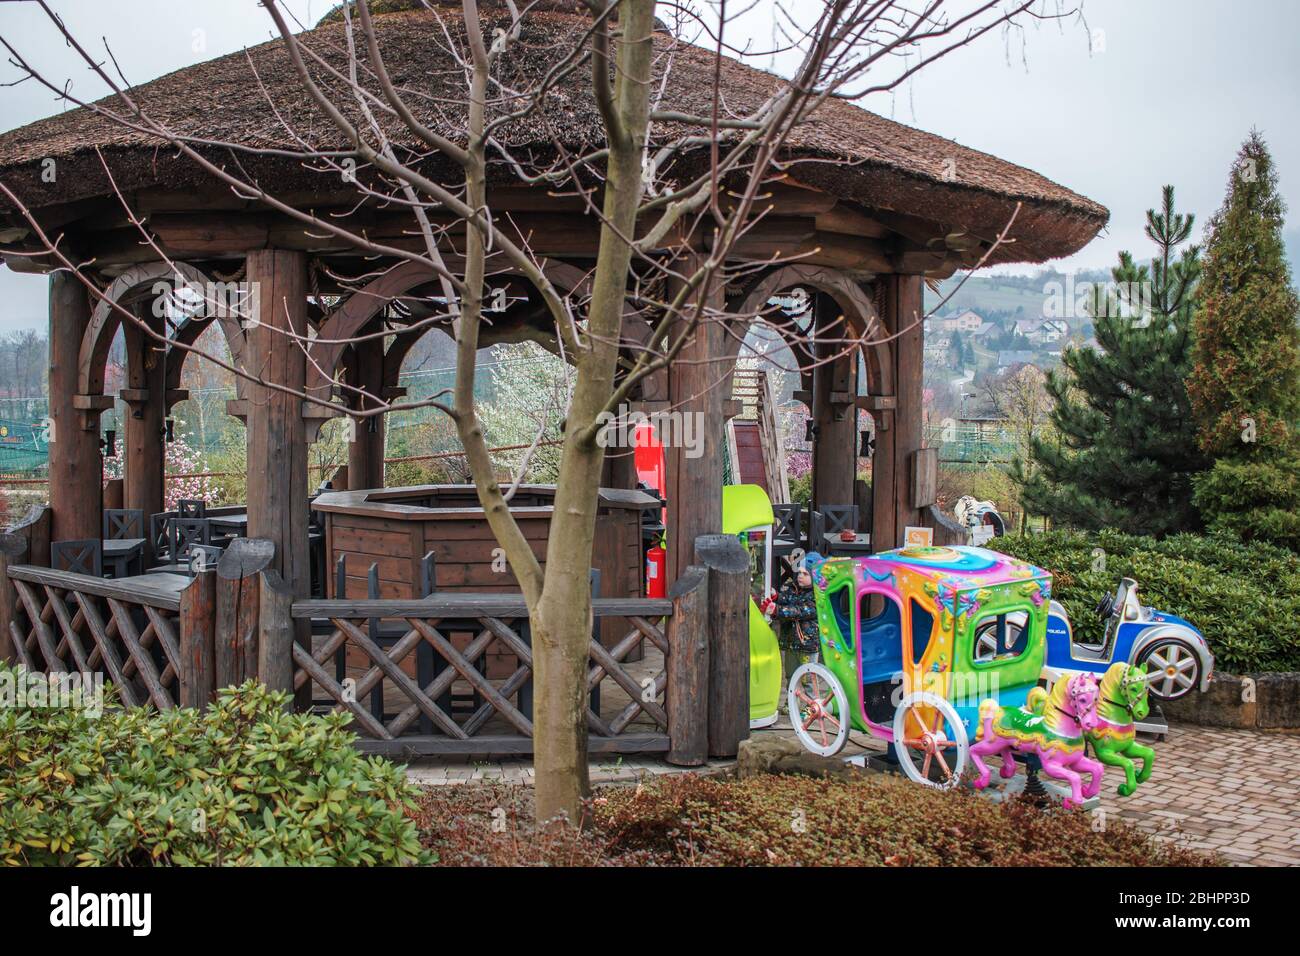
819 710
1173 667
930 740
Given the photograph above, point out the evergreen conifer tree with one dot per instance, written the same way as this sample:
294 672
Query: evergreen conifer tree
1127 448
1245 381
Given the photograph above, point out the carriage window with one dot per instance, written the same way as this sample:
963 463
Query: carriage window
922 626
1000 637
839 599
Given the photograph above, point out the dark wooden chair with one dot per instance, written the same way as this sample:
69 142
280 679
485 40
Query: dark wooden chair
191 508
183 535
160 533
786 538
832 519
78 556
317 561
122 523
124 540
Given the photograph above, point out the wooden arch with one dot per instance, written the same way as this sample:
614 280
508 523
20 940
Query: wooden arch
859 312
126 289
352 317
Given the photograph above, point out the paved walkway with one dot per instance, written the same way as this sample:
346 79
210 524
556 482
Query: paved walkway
1236 792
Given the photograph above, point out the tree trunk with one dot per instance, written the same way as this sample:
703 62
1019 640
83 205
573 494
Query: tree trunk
562 618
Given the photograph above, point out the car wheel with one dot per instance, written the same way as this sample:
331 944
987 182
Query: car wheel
1174 669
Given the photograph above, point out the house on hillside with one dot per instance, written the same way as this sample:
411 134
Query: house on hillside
1010 357
936 348
967 321
1043 331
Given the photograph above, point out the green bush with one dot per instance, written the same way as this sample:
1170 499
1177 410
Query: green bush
801 490
1245 598
242 783
688 820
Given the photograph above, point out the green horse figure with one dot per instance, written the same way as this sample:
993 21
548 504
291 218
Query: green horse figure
1121 701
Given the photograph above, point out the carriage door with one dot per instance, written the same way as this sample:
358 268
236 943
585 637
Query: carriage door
920 649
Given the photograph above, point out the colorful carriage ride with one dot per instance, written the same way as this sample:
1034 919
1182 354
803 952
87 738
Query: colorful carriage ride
899 632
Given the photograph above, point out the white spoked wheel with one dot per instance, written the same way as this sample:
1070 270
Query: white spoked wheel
1172 668
986 644
929 736
819 710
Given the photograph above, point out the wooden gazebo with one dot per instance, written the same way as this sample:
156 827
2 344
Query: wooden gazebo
898 206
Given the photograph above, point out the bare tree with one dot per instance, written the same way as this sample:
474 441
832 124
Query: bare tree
674 192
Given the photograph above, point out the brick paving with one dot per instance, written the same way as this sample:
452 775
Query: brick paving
1236 792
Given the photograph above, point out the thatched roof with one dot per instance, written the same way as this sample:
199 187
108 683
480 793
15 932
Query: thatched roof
247 97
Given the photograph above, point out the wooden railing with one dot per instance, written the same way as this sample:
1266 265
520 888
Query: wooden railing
449 674
154 645
391 693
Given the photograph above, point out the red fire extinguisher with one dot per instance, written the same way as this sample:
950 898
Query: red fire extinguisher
656 571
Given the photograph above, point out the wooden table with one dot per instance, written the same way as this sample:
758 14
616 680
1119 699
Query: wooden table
834 545
120 552
235 524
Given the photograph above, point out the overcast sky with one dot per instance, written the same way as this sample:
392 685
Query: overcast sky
1146 92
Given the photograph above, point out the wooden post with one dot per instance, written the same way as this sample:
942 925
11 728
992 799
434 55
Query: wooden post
687 694
909 356
13 550
727 563
277 433
114 494
147 405
238 602
695 475
76 469
898 432
275 632
834 412
366 450
197 639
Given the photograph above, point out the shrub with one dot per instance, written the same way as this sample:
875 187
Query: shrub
244 782
688 820
1245 598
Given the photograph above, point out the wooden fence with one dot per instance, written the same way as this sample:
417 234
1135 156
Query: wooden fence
411 673
390 695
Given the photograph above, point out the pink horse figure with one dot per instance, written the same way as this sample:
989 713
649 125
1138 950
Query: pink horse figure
1051 727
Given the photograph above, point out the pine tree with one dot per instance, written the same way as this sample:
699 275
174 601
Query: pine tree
1127 448
1245 382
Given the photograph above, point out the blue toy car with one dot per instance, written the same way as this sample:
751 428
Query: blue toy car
1134 633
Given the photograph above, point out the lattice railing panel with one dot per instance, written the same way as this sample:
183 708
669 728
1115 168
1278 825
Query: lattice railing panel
389 703
63 627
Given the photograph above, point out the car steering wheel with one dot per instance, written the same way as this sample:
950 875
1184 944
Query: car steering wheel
1105 606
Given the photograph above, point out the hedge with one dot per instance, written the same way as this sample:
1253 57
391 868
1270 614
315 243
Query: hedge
244 782
1245 598
690 820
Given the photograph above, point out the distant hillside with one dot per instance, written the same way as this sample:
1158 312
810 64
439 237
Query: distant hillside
1016 296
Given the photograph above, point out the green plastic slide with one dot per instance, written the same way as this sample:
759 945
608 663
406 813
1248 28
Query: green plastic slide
747 508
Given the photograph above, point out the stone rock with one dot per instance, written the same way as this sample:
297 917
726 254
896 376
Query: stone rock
769 753
1274 702
1221 705
1279 700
